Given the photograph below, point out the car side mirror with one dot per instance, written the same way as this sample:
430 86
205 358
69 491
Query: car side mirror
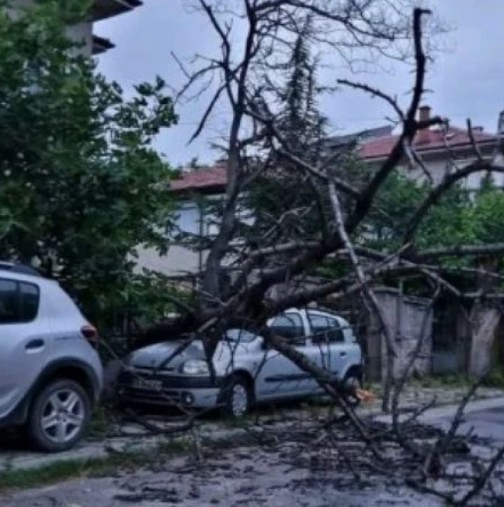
264 344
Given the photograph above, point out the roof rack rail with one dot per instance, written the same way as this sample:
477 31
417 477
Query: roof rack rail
19 268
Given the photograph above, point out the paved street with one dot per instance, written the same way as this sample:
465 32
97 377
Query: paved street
487 423
252 476
485 418
246 476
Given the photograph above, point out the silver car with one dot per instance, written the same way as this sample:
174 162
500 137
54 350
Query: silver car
246 372
50 374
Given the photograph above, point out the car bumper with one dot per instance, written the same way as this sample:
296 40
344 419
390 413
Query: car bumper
192 392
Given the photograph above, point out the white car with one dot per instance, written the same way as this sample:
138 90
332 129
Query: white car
50 373
246 372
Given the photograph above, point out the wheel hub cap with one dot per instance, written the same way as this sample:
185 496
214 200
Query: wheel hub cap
62 416
239 400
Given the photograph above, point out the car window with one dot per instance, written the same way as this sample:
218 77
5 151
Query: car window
325 329
240 335
29 301
335 331
19 302
319 326
290 327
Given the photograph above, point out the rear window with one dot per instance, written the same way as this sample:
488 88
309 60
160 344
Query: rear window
19 302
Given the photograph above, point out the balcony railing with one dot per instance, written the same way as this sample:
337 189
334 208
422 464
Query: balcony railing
103 9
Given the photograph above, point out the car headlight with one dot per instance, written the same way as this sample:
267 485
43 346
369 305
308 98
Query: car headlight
195 367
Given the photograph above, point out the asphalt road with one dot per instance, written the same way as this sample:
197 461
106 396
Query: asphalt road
484 419
487 423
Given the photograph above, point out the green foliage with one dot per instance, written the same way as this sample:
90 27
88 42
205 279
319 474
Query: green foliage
495 378
447 223
394 206
487 216
460 217
80 184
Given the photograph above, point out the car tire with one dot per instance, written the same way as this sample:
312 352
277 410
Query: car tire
354 380
236 397
58 416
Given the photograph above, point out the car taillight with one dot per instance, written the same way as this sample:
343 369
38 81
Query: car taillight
91 334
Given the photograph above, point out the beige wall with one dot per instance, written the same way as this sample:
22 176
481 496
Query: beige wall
82 33
438 168
177 262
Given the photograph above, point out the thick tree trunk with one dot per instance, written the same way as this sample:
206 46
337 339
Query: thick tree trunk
484 322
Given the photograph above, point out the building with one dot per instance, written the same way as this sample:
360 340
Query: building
84 32
437 147
192 188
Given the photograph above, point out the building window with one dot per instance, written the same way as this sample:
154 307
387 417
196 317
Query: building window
188 219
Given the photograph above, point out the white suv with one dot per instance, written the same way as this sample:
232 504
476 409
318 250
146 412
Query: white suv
50 373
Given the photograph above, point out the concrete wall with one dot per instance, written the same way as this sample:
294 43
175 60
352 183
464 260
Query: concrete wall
406 318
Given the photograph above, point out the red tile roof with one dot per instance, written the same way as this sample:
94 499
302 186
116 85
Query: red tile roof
425 141
200 179
212 178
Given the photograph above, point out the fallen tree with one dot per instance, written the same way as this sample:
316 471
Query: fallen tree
324 219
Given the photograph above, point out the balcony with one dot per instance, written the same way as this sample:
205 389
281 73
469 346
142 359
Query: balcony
100 45
103 9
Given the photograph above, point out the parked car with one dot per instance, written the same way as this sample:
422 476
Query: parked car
50 374
246 371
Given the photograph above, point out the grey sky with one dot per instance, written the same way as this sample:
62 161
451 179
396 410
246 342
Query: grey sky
466 79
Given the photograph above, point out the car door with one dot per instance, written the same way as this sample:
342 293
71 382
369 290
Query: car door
329 350
337 348
23 344
277 376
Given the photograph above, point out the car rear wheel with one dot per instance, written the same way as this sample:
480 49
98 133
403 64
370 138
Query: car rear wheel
352 380
237 397
59 416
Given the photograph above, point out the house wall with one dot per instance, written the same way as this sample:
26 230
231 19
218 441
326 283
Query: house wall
179 261
190 218
438 166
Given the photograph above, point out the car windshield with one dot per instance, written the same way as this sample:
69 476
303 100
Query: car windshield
240 335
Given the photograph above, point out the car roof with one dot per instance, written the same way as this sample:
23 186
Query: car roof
21 272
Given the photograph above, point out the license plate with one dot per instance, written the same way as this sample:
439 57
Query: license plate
151 385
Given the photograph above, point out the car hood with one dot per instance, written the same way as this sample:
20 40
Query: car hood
154 355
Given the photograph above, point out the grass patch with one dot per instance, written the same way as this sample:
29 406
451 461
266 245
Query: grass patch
495 378
442 381
90 467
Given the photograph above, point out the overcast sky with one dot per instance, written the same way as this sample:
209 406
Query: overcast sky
466 79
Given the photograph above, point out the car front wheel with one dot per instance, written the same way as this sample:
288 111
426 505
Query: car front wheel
59 416
352 381
236 397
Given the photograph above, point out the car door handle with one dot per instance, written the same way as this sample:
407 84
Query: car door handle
342 354
34 344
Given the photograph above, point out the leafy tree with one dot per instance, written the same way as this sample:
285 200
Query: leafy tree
80 184
446 224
